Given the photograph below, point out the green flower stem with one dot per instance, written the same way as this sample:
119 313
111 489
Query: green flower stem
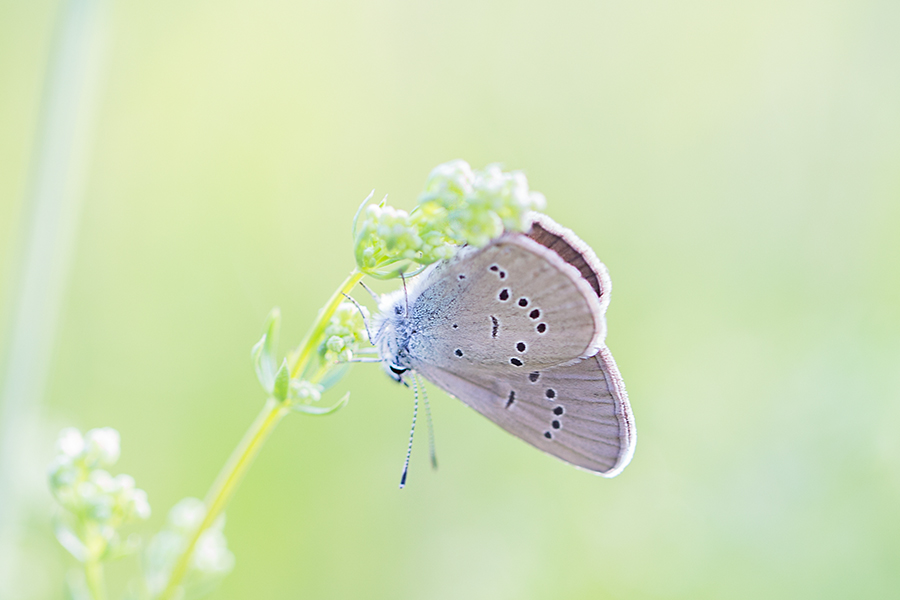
223 488
308 345
93 567
242 457
93 574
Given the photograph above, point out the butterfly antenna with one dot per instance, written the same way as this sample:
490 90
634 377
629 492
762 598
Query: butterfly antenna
371 293
363 314
405 294
412 430
431 446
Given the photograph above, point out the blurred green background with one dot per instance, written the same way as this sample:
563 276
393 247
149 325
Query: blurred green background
735 165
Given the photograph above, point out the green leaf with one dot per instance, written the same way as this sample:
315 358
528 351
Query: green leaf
263 352
359 211
70 541
319 411
334 375
282 382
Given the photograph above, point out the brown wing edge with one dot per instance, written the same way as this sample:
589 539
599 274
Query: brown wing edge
574 251
627 429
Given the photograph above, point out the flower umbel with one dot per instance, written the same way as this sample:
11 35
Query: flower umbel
459 206
96 504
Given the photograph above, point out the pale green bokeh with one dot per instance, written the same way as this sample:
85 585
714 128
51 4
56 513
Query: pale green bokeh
736 166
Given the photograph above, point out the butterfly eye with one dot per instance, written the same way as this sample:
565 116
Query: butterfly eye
398 370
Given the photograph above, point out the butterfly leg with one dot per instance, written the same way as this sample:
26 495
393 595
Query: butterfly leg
431 446
371 293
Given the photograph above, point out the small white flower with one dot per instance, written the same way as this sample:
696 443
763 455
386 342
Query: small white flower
102 446
125 482
70 442
187 514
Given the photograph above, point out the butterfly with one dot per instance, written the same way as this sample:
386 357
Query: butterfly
516 331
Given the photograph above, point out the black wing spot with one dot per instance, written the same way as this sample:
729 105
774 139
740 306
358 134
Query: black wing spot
555 424
504 295
523 302
548 435
534 376
521 347
534 314
550 393
495 326
455 326
461 276
458 352
502 274
559 410
494 268
515 361
541 327
511 399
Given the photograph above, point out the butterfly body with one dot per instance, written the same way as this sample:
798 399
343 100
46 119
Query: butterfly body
515 330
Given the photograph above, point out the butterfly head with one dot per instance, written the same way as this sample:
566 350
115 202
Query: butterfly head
392 336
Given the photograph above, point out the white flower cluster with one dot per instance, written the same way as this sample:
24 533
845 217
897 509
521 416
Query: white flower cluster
97 504
345 332
459 206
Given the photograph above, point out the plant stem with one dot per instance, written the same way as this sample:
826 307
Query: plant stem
223 488
93 574
242 456
315 332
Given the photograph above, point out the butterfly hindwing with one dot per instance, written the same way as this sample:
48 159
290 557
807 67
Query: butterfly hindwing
578 413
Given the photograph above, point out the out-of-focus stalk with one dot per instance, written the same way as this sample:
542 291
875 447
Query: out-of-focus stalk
44 248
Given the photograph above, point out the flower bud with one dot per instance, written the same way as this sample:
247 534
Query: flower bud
307 391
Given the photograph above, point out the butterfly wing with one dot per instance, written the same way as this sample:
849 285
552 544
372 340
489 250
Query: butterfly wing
514 303
531 358
578 413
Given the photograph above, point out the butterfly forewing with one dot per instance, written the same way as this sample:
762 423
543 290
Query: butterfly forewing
531 310
578 413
